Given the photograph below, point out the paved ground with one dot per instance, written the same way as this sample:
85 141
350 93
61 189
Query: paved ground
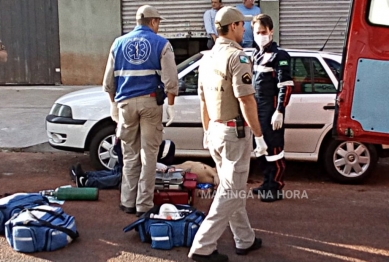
334 223
23 111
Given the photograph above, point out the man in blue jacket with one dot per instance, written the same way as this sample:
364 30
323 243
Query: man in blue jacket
140 63
273 85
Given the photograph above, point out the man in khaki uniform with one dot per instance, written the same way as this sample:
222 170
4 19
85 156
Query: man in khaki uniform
140 64
225 89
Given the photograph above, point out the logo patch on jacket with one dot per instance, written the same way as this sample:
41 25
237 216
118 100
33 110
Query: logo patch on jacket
283 63
244 59
246 78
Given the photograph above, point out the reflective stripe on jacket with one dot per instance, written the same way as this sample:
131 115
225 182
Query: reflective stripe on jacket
137 63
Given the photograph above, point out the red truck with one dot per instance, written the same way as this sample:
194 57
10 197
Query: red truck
362 103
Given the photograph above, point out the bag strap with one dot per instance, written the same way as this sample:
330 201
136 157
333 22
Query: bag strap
44 223
134 224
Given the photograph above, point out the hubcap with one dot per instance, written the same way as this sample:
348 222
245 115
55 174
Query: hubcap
107 155
351 159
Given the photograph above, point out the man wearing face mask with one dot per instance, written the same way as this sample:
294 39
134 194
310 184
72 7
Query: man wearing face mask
273 86
140 70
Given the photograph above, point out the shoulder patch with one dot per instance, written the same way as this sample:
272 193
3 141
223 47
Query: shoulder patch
246 78
283 63
244 59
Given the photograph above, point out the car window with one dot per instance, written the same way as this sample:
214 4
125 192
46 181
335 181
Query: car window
322 82
183 65
301 73
309 76
188 84
334 66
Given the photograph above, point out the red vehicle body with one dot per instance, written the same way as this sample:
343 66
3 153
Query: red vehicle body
362 110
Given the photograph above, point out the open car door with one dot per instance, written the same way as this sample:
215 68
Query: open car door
362 108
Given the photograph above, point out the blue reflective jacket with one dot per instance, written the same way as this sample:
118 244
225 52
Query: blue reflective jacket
137 61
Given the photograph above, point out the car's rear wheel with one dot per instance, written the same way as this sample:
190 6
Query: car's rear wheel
101 150
349 161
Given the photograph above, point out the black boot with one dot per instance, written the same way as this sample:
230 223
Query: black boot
214 257
259 190
272 195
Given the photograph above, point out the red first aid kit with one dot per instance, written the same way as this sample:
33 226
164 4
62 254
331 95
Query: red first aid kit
177 194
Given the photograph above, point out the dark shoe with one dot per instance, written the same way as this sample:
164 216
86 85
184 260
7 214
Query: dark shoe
81 180
139 214
256 245
128 210
215 257
78 170
272 195
258 190
72 173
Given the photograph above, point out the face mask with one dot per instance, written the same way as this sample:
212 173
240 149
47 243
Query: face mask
261 40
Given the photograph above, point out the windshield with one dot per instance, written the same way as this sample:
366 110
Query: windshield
189 61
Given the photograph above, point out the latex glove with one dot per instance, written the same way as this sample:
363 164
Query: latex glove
205 139
261 148
276 120
114 112
170 114
161 167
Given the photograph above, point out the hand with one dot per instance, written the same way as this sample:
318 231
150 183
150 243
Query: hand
161 167
114 112
205 139
170 114
277 120
261 148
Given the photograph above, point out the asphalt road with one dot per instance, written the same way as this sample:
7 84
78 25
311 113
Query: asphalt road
329 222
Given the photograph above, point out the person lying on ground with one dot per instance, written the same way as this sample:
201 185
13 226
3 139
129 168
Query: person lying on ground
106 179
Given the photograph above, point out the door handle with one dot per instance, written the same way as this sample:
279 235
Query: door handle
330 106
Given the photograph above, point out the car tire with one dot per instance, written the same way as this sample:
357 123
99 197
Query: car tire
101 151
349 161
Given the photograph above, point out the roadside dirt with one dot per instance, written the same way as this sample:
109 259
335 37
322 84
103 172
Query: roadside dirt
332 223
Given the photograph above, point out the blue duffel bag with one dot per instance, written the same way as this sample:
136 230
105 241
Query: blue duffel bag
41 228
13 204
166 234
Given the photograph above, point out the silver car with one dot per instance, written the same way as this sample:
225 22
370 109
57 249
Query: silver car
80 121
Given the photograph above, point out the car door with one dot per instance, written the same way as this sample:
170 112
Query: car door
309 114
186 131
362 109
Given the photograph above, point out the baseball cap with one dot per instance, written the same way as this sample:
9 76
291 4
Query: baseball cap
228 15
148 11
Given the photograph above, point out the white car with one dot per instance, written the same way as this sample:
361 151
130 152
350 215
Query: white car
80 121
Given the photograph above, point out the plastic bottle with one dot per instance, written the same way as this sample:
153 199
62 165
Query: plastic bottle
73 193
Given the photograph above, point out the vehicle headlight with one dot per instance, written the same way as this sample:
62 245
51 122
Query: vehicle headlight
61 110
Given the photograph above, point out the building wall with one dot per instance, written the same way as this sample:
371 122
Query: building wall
272 8
86 32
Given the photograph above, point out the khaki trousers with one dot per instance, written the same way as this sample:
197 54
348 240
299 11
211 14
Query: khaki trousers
232 157
140 129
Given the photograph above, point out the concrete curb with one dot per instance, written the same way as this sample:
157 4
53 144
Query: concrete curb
39 148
